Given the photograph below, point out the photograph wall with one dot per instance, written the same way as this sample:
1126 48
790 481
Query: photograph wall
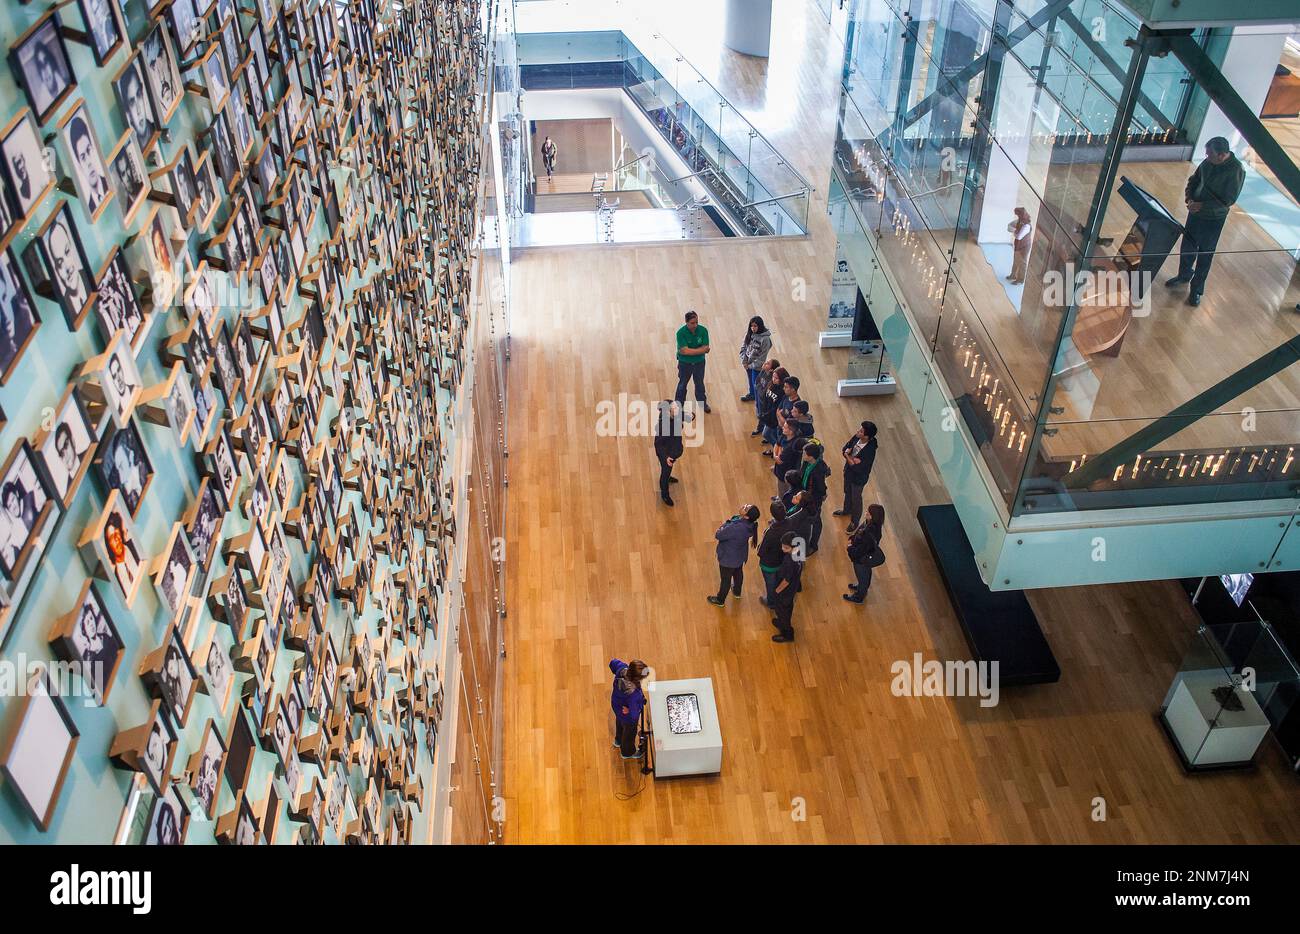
239 245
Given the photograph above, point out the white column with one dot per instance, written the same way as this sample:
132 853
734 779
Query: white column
749 26
1252 56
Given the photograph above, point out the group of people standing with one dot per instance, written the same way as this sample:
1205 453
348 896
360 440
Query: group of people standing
784 421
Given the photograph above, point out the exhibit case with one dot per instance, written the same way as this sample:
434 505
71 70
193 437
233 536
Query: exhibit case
1210 712
244 302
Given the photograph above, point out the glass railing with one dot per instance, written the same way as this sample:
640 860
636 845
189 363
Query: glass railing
743 174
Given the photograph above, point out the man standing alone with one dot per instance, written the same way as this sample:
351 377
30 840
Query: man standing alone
1211 191
692 346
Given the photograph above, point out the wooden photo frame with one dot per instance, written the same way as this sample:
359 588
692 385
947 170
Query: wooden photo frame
27 504
88 636
109 544
66 449
39 750
85 160
39 59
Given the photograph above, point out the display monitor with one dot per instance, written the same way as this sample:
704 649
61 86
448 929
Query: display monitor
1237 585
683 713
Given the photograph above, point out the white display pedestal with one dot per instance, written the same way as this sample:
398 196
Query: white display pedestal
691 753
1193 708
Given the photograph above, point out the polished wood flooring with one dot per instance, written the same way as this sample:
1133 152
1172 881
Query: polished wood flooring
817 749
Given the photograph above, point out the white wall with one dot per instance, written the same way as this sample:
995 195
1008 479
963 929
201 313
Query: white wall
1252 56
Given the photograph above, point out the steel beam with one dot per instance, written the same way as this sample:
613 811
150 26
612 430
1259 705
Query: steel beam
1166 426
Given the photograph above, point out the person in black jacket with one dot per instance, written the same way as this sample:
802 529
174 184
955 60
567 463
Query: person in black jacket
769 548
787 453
813 472
865 553
668 444
785 589
859 455
767 404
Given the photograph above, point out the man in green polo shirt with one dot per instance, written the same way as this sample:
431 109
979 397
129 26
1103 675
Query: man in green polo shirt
692 345
1211 191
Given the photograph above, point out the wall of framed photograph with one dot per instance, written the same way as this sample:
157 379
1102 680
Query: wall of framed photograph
253 343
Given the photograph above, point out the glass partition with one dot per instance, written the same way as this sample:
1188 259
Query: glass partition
741 171
975 142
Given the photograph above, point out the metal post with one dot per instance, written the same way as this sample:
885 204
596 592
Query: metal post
1137 68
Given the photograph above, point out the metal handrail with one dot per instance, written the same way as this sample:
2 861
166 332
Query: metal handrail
793 194
753 129
707 168
619 168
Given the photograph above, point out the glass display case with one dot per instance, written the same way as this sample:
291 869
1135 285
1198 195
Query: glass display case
1210 713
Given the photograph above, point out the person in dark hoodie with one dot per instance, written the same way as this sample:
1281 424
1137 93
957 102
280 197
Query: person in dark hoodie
785 589
753 353
865 553
1211 191
787 453
767 404
813 472
733 538
668 444
769 548
859 454
627 701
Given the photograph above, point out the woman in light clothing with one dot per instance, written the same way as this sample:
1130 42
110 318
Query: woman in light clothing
1022 234
753 354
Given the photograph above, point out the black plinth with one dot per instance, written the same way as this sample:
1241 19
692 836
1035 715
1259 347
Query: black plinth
999 625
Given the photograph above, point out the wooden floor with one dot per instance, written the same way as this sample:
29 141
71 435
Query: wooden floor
597 567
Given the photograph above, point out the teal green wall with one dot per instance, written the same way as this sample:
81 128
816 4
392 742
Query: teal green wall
94 793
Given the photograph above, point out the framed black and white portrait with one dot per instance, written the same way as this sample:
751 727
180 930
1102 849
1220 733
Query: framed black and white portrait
187 24
123 465
116 307
227 372
215 82
26 504
155 758
85 160
37 753
67 448
184 186
207 193
177 678
218 671
161 73
131 88
169 819
205 411
223 465
246 824
28 165
88 637
63 265
129 176
121 381
103 27
18 317
222 147
179 404
164 274
205 771
204 520
174 573
40 63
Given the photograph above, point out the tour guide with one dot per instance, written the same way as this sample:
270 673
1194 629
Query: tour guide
692 345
